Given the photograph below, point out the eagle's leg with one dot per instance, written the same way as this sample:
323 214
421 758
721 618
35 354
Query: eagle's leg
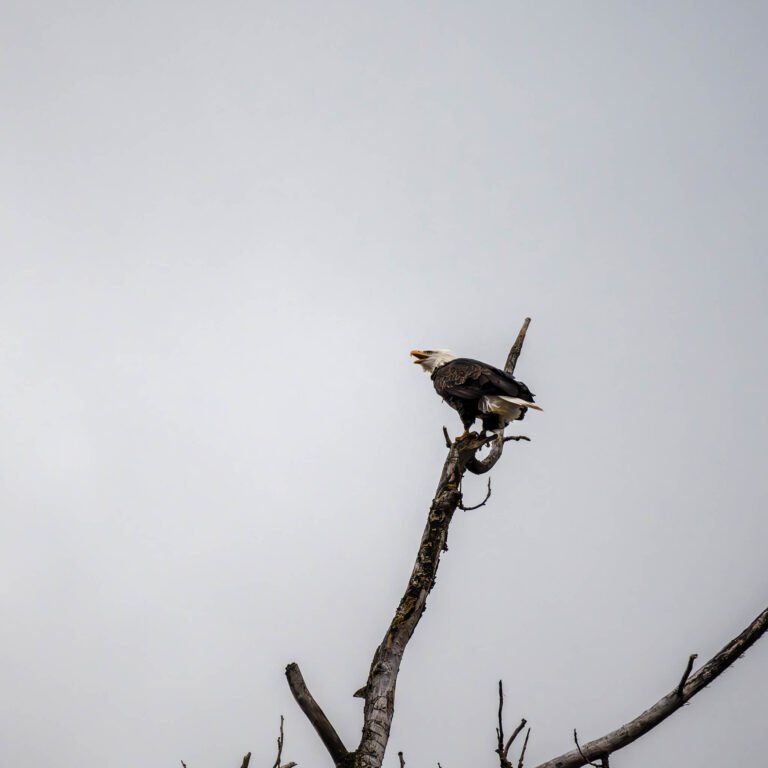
494 423
467 421
467 417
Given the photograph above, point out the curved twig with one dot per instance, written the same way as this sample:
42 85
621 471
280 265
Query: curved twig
481 504
578 746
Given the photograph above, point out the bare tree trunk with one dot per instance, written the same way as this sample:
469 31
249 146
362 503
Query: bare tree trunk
382 680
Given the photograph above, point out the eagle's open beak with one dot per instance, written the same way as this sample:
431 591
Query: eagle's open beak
419 355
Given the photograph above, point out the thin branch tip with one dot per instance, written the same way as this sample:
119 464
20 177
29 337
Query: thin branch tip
686 673
578 746
525 746
514 735
517 347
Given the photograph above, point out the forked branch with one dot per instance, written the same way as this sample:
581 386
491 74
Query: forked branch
502 749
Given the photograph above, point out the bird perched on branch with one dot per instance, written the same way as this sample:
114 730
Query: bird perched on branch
476 390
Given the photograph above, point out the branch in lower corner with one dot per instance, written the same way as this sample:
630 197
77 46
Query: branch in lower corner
502 749
525 746
684 691
315 715
514 735
280 741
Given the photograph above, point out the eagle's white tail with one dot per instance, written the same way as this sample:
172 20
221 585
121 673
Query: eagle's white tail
520 401
509 408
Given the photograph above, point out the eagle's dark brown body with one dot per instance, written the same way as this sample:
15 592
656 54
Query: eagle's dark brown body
464 383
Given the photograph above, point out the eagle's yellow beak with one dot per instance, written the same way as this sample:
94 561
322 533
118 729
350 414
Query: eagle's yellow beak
419 355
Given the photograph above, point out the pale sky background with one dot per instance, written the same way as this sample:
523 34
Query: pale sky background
223 227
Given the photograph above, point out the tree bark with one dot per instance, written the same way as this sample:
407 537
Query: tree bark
382 679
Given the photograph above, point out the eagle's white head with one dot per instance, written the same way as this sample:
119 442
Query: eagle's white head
430 359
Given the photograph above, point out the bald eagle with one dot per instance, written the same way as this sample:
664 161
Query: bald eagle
476 390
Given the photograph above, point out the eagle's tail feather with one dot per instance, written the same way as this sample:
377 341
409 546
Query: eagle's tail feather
520 401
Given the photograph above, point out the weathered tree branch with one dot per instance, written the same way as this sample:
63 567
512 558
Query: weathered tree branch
604 746
327 733
514 735
502 749
382 679
280 741
522 751
517 348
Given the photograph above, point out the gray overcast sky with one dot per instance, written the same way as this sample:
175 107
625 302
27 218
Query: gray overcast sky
224 226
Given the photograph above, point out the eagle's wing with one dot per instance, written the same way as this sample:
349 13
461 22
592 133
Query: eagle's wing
471 380
460 378
502 383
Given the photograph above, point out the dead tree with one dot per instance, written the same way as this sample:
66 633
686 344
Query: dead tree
379 691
